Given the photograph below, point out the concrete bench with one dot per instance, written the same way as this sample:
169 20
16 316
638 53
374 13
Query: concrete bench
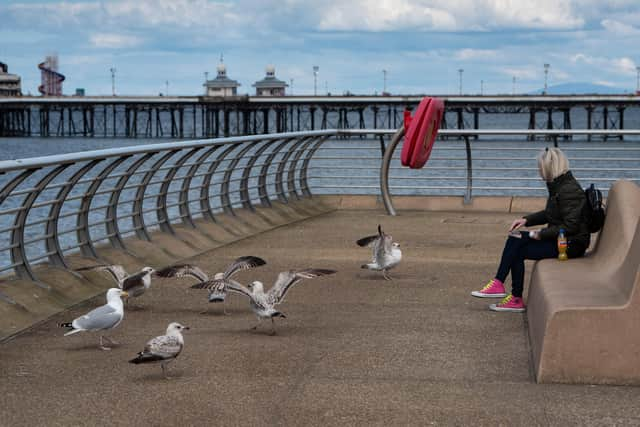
584 314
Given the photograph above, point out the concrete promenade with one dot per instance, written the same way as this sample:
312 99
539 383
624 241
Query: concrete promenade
354 350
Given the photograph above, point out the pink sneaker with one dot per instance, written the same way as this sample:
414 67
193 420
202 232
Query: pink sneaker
509 303
493 289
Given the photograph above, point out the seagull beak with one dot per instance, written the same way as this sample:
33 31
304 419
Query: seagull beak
124 294
186 328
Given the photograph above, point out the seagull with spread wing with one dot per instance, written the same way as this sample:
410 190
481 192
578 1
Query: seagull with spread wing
217 293
103 318
263 303
163 349
134 284
386 252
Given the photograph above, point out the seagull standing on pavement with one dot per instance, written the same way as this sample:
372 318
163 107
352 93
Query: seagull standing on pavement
386 252
163 349
217 289
263 303
102 318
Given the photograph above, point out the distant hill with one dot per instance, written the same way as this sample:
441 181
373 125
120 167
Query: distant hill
580 88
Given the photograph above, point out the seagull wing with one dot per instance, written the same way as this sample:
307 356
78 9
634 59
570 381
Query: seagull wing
103 317
243 263
183 270
368 241
133 281
233 286
117 271
287 279
164 347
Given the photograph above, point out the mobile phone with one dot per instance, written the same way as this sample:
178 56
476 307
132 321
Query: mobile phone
516 234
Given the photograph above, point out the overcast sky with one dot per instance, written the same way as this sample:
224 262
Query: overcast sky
421 43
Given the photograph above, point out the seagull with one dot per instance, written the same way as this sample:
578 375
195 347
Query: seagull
216 293
386 252
102 318
134 284
164 348
262 303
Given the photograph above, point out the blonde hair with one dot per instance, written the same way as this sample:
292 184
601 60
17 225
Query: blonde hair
552 163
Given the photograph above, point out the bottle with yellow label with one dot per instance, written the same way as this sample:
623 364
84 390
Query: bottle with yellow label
562 246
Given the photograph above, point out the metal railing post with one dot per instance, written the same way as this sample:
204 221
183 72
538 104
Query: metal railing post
83 234
264 171
244 183
161 200
225 200
304 182
183 201
136 213
205 200
56 257
18 250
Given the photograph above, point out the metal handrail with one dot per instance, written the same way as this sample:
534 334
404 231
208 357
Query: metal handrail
52 205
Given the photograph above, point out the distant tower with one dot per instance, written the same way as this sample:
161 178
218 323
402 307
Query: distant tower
270 85
221 85
51 79
9 83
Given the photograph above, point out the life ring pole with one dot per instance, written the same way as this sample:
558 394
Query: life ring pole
384 171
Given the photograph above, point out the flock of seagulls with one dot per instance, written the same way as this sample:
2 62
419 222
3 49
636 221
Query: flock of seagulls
386 254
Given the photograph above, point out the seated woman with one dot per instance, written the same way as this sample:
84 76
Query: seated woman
564 210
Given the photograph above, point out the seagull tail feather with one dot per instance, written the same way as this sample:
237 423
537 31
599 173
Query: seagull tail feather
143 357
72 331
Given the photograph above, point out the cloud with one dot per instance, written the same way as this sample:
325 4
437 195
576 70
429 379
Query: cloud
623 65
475 54
619 28
455 15
114 41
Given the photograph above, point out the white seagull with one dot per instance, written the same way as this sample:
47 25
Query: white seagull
217 293
386 252
134 284
163 349
102 318
263 303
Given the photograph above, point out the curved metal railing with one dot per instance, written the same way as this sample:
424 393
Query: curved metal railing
57 205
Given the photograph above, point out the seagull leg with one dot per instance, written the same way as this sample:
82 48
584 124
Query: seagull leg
224 309
164 372
385 275
257 324
102 347
273 327
111 341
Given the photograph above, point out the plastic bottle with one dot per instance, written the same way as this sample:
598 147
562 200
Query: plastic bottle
562 246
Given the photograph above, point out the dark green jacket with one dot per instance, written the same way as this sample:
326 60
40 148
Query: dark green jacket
564 209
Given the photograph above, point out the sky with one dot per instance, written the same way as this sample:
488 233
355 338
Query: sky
360 46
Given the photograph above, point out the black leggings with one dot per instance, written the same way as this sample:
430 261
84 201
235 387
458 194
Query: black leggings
516 250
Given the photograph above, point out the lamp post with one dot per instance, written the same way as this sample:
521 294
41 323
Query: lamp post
166 85
113 81
637 80
546 77
291 91
513 89
315 80
384 78
481 87
460 71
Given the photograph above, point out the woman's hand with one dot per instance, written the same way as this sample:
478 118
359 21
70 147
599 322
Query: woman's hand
520 222
534 234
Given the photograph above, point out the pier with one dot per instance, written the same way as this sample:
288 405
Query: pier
202 117
354 349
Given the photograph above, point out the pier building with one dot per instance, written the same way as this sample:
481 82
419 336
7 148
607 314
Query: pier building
9 83
270 85
222 85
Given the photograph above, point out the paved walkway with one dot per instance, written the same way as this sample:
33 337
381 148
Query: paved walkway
354 350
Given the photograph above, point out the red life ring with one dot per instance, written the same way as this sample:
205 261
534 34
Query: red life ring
422 132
